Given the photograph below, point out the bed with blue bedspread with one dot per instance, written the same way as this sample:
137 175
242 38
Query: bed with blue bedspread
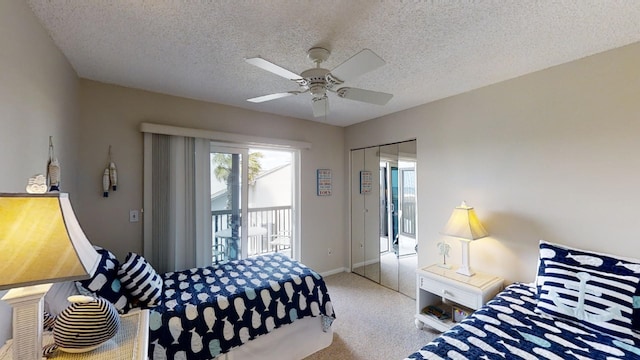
584 305
209 311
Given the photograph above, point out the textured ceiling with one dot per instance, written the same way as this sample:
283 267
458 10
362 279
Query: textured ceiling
433 49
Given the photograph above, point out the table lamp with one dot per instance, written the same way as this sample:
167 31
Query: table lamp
41 242
464 225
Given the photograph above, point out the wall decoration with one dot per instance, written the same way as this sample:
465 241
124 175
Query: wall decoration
366 182
324 182
109 177
37 184
53 168
105 183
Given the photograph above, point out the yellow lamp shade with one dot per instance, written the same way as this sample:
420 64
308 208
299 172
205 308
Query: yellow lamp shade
41 241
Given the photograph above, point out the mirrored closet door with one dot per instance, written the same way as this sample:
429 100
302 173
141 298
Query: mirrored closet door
383 215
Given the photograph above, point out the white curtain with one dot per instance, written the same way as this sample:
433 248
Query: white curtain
178 204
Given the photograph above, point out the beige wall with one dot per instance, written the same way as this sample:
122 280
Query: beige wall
111 116
38 90
551 155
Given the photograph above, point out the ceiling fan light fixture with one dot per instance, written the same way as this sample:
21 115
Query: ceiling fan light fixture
320 106
318 90
318 81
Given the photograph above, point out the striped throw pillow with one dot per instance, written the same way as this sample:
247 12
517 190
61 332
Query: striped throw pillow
141 280
599 291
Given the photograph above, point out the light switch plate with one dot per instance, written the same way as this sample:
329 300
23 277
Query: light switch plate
134 216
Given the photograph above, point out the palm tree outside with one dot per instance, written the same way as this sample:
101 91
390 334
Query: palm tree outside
222 164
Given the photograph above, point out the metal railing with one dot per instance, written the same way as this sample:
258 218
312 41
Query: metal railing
408 220
265 225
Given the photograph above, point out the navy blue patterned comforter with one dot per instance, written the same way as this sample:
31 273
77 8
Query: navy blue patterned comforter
207 311
507 327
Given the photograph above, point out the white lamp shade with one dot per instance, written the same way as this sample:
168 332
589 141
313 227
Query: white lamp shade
464 224
41 241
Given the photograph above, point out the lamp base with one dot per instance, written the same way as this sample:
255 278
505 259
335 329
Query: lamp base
465 271
28 308
464 268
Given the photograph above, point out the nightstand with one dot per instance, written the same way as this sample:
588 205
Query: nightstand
446 289
131 341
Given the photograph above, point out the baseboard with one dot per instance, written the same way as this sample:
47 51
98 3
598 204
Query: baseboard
334 271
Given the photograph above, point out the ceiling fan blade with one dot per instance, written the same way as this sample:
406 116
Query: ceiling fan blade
264 98
320 106
360 63
368 96
273 68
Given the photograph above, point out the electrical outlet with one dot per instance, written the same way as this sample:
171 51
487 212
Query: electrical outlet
134 216
329 251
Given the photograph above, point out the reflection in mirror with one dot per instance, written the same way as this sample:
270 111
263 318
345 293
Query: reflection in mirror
357 213
371 214
389 236
408 244
383 215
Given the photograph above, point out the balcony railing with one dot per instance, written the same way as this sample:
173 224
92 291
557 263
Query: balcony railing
266 225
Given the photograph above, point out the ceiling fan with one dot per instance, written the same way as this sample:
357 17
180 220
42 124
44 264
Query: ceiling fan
319 81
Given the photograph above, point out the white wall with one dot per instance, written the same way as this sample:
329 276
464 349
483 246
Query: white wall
552 155
111 116
38 90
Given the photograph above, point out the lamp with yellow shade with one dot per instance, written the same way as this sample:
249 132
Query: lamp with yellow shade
464 225
41 242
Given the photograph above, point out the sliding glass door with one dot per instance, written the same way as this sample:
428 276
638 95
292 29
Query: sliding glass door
228 206
212 197
252 203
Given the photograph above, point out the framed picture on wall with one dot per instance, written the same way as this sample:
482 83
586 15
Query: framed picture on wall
366 182
324 182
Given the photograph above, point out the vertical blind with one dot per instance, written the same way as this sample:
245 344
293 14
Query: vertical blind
180 229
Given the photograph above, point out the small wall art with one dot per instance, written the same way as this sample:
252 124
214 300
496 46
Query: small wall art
366 182
109 177
324 182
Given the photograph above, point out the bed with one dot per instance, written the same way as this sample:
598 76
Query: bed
207 312
583 305
264 307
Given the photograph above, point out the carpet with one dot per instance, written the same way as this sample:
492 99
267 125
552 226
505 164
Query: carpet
372 322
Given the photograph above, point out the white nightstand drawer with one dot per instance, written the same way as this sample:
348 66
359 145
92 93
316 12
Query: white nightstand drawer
449 292
435 283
